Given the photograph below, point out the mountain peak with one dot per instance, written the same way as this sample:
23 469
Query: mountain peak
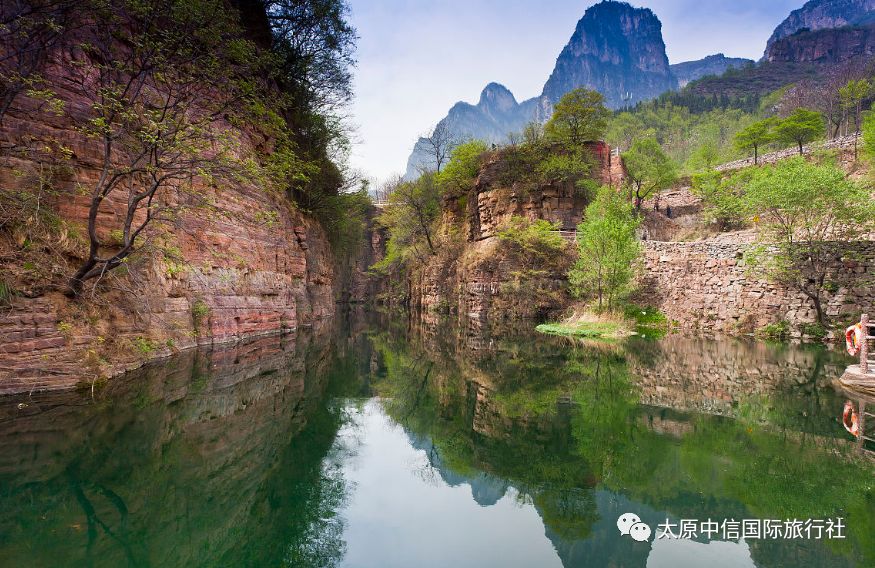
716 64
497 97
616 49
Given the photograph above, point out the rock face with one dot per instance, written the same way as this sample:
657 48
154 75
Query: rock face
251 265
495 115
827 46
617 50
823 14
711 65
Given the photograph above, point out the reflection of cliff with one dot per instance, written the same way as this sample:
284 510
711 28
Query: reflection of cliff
714 376
181 453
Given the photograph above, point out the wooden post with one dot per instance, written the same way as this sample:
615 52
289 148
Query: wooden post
864 348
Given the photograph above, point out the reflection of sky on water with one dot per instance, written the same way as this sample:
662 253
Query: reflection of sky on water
399 516
408 508
691 554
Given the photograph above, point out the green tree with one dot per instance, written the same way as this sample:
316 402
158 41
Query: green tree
158 111
800 128
755 137
623 129
869 135
411 211
579 116
649 169
464 165
721 197
807 214
851 96
608 249
538 241
704 157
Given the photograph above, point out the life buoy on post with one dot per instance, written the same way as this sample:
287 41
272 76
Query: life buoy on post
849 419
854 339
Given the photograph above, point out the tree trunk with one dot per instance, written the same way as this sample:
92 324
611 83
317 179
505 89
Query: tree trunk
818 308
755 155
74 285
800 148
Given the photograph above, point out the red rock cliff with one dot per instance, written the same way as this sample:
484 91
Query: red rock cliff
249 265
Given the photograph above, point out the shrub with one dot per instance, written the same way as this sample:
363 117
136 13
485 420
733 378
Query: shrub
144 346
538 239
199 310
777 331
7 293
815 330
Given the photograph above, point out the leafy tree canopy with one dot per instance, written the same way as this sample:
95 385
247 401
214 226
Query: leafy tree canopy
580 116
608 249
649 168
800 128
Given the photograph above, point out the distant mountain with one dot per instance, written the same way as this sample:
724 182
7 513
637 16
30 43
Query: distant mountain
710 65
824 14
617 50
495 115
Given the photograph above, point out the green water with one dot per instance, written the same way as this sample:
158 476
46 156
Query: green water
383 444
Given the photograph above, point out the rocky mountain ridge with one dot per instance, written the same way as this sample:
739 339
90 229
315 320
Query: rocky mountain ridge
716 64
616 49
823 14
826 46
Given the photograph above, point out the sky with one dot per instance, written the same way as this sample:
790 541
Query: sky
416 58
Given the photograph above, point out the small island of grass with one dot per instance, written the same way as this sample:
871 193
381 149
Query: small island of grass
604 329
634 320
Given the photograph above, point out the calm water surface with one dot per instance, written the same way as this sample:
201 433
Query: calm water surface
386 444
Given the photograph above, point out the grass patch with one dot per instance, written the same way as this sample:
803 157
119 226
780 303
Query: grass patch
645 316
7 293
582 329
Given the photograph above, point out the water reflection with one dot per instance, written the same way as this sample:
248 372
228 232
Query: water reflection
678 428
385 444
212 459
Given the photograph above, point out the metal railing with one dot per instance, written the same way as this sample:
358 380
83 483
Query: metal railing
570 236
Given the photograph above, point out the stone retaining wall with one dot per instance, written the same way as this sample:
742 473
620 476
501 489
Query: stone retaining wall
706 285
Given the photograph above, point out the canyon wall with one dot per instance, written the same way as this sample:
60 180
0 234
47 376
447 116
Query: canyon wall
693 274
233 261
827 46
822 14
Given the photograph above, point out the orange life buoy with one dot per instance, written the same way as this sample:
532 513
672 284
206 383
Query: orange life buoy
849 419
854 339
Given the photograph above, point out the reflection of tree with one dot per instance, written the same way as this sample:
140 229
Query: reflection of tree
230 470
431 397
773 459
94 521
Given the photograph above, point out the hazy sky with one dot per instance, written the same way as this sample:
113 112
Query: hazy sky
416 58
